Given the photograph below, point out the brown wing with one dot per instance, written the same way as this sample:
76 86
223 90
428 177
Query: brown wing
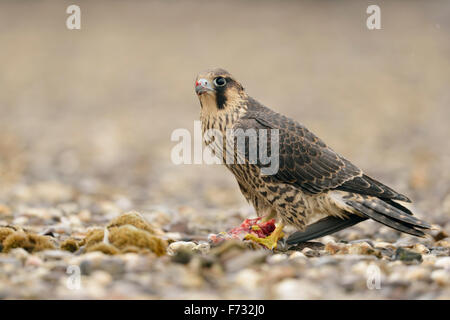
307 162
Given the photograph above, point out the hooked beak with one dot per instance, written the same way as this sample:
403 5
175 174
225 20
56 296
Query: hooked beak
203 86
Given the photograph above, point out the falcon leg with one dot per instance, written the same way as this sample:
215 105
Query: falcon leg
270 242
271 215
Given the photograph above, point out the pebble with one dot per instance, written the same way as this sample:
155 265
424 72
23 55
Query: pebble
308 252
443 262
102 278
417 273
441 277
359 241
248 278
111 264
34 261
293 289
202 248
328 239
6 260
19 253
54 254
361 248
325 260
297 255
21 221
84 215
405 242
407 255
420 248
276 258
245 259
180 245
443 243
384 245
428 260
335 248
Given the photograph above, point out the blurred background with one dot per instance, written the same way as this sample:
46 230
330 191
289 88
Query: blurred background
86 115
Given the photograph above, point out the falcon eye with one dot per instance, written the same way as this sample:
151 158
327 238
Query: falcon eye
220 81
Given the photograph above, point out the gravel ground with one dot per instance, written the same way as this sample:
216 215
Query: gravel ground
91 205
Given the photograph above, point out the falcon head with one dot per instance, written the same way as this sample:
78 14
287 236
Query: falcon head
217 89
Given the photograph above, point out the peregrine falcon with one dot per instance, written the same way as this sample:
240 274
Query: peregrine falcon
312 180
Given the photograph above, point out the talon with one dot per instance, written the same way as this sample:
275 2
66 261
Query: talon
256 228
270 242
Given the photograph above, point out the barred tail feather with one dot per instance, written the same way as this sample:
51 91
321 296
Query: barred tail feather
390 215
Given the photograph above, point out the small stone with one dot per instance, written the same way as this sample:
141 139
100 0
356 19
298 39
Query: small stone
335 248
21 221
53 254
173 236
328 239
13 261
439 234
297 255
362 248
407 255
293 289
40 213
230 248
19 253
34 261
182 255
248 278
360 267
362 241
136 263
441 277
384 245
428 260
440 251
245 260
443 262
180 245
202 248
326 260
405 242
101 277
443 243
415 273
84 215
94 261
276 258
310 252
420 248
74 221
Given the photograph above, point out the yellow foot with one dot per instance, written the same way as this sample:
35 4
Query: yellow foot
270 242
